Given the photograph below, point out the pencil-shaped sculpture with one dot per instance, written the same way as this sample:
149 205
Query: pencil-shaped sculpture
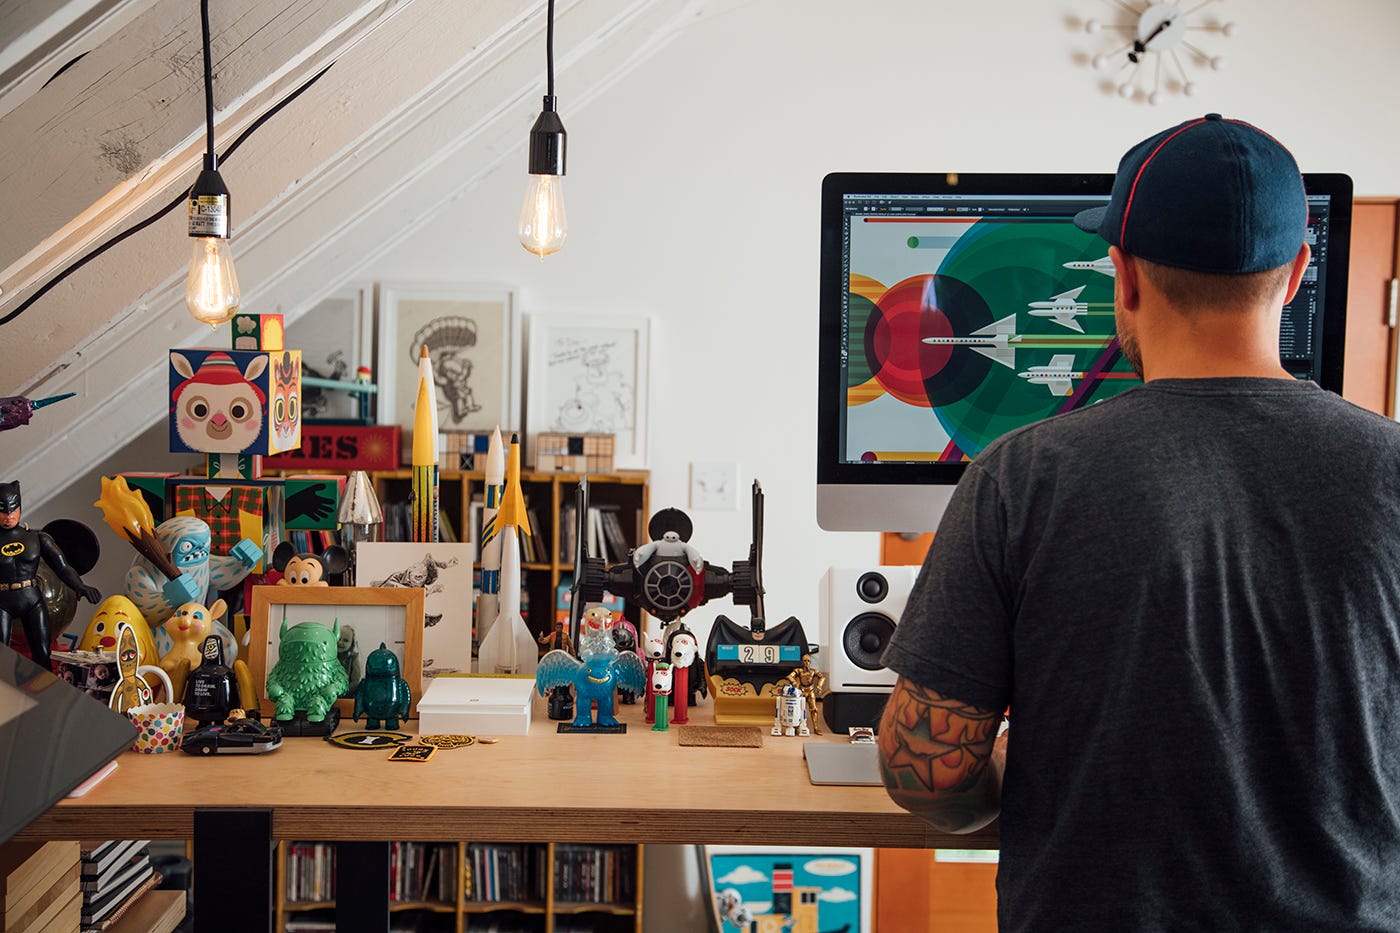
488 606
425 462
509 648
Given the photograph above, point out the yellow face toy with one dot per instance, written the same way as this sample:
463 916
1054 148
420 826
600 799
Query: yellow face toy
101 633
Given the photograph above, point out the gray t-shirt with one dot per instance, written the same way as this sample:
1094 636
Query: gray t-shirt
1189 597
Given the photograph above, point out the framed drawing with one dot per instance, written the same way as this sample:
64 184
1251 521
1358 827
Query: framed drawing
444 572
363 617
792 887
473 337
335 337
588 375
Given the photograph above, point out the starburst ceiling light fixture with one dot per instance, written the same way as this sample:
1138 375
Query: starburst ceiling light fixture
211 290
1158 33
543 227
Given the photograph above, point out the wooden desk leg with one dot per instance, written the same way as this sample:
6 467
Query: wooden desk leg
361 887
232 875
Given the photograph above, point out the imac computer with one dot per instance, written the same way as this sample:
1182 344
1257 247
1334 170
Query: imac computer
955 308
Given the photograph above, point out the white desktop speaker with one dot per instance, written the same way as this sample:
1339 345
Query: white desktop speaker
859 610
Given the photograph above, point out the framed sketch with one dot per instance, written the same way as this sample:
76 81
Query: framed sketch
473 337
335 337
588 375
806 888
362 618
444 572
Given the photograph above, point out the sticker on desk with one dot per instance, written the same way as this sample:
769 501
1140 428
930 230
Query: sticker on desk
413 753
368 740
447 741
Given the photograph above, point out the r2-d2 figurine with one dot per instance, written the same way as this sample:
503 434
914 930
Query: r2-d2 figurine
790 715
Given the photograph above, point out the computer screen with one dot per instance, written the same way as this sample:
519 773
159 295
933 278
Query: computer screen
955 308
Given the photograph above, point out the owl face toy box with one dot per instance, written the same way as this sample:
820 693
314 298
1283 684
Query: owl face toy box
235 401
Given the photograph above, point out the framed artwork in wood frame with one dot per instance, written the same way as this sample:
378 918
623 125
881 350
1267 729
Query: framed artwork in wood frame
474 340
589 374
374 615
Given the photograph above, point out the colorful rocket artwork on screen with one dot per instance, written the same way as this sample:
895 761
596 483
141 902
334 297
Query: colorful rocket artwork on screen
962 329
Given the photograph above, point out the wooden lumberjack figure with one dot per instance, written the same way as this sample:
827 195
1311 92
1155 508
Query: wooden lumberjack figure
20 552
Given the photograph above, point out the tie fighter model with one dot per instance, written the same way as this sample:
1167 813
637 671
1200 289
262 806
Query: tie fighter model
667 577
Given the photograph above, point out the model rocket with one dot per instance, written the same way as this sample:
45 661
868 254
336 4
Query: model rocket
509 648
425 463
489 603
16 410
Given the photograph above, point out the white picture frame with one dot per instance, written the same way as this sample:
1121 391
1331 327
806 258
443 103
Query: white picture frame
590 374
475 342
443 570
335 336
840 878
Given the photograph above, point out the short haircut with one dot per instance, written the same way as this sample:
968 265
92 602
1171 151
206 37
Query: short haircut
1191 291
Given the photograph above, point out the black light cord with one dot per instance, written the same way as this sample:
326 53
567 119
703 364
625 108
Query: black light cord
211 156
548 48
179 200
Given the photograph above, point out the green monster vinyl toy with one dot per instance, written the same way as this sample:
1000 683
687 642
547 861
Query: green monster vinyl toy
382 694
308 675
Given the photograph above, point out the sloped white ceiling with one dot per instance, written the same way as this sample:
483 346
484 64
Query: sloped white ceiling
422 98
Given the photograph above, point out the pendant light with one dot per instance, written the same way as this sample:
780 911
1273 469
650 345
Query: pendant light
543 228
211 290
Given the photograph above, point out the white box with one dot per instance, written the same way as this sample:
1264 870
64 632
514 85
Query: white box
477 705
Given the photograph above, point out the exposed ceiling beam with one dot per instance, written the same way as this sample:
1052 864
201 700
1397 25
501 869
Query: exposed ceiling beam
40 38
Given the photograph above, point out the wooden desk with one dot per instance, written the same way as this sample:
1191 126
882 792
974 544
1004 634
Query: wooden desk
639 787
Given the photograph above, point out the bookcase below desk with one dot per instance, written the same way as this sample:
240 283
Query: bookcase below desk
469 887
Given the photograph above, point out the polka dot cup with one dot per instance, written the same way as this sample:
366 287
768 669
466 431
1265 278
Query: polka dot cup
159 727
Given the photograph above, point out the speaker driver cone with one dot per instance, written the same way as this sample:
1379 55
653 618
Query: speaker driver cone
865 639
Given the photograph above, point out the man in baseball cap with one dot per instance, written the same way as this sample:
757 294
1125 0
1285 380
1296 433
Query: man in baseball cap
1187 595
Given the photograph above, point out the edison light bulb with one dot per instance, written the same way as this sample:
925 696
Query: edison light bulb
543 228
211 291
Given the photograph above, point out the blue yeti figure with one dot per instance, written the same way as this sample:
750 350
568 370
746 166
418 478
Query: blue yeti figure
188 541
382 694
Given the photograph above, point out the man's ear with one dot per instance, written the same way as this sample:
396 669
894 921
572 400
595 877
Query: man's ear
1126 283
1300 266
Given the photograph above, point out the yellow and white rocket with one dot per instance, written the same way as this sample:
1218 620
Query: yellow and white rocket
509 648
488 605
425 455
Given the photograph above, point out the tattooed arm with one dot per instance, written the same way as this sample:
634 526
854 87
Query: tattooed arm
941 759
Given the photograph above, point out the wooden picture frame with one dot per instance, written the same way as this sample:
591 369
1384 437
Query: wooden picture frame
589 374
378 614
473 333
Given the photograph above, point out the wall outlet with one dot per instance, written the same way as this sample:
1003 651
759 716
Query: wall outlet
714 486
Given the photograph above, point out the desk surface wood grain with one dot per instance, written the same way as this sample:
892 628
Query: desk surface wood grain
639 787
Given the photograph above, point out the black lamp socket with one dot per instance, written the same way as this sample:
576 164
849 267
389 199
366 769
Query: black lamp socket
210 184
548 142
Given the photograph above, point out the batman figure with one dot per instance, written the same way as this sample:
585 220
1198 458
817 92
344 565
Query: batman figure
20 552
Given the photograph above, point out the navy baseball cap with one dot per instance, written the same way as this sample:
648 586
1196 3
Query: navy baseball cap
1210 195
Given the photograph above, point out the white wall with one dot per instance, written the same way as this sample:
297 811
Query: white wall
693 197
